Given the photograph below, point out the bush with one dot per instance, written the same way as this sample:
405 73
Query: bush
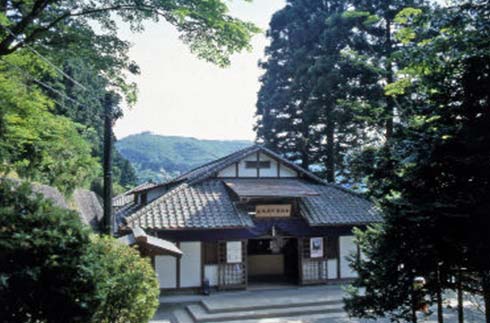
41 276
126 282
53 269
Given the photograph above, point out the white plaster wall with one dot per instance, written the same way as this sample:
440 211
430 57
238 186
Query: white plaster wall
332 269
268 172
166 269
229 171
211 273
287 172
190 264
247 172
347 247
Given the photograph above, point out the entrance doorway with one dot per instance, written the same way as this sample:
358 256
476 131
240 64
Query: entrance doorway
273 260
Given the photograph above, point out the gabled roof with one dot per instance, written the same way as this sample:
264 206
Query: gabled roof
209 169
199 200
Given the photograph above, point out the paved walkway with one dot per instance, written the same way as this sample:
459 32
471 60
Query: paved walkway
176 309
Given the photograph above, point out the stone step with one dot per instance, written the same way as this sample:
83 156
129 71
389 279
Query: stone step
255 303
312 318
199 313
181 315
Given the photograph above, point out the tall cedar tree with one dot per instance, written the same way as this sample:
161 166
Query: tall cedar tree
374 44
300 111
436 196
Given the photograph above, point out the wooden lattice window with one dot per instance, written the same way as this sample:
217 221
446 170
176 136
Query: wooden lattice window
257 164
231 275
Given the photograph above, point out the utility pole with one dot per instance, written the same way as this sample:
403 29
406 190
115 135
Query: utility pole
108 221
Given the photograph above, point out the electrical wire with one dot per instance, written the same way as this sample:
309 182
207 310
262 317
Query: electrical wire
46 60
41 83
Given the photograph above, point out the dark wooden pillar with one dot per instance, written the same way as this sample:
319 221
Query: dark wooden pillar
108 219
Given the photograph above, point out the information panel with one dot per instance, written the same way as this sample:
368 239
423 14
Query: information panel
233 252
273 211
316 247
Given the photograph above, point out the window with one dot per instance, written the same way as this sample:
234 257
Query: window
144 198
210 253
255 164
332 247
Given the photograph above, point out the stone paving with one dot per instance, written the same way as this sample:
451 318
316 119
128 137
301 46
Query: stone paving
172 306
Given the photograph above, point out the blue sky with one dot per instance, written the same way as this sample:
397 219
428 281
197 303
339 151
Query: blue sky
182 95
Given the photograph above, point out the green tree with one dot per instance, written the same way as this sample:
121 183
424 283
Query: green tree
54 269
126 282
433 181
204 25
42 278
309 80
373 46
63 32
35 143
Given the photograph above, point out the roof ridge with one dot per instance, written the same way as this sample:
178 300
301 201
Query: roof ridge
215 161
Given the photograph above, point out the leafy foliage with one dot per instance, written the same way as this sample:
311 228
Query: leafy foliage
92 60
204 25
36 143
431 181
54 270
42 278
126 282
322 98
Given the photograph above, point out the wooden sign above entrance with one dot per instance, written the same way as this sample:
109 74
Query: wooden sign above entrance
273 211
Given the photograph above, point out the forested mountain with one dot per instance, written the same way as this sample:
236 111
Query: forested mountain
157 157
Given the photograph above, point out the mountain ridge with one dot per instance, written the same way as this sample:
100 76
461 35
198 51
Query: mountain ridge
159 157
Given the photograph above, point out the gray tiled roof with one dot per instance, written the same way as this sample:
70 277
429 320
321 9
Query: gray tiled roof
198 206
269 187
335 205
127 197
198 200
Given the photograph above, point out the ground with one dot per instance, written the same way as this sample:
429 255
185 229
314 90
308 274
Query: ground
318 304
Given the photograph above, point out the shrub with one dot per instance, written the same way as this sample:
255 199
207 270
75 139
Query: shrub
41 276
126 282
53 269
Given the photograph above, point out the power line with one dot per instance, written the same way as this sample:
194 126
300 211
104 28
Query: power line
59 70
41 83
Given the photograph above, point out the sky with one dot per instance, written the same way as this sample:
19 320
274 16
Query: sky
183 96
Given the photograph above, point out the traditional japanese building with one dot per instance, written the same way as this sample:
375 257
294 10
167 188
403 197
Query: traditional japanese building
248 217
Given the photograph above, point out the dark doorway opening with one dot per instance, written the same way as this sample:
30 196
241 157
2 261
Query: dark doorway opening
273 261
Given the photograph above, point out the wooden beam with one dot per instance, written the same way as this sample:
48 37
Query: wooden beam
177 269
258 166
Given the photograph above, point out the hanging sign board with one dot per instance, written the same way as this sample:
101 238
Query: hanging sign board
316 247
273 211
233 252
